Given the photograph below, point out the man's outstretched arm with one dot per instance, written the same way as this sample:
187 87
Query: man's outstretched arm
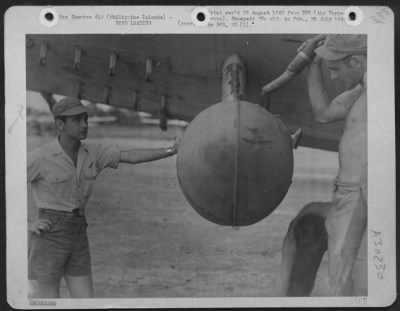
135 156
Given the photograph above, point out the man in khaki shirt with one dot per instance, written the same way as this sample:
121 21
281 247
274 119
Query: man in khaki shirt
61 175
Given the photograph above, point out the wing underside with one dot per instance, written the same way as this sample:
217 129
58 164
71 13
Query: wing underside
144 72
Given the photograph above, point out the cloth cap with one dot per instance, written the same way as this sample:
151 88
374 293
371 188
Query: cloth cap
68 106
339 46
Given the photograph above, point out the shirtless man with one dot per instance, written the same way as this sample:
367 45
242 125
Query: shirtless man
345 57
346 217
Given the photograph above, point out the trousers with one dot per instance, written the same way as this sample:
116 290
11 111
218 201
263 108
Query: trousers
347 241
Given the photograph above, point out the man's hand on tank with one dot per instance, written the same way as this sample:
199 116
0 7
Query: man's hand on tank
175 147
178 140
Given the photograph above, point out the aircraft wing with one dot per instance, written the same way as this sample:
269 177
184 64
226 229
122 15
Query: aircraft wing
177 73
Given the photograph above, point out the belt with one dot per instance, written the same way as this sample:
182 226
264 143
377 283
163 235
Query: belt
346 186
76 212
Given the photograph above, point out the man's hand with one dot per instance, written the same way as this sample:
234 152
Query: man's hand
177 142
40 225
316 42
135 156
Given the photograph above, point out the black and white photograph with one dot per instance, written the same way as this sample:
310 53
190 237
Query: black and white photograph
205 166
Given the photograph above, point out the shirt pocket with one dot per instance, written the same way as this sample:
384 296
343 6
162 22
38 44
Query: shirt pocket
60 186
88 176
90 172
58 178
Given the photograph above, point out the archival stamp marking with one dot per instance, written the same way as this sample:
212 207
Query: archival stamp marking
360 300
41 303
216 18
378 258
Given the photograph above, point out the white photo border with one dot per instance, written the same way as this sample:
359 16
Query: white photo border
378 24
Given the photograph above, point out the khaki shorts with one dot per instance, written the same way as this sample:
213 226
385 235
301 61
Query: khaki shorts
64 250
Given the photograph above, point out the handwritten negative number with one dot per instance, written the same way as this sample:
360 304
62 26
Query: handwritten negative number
378 258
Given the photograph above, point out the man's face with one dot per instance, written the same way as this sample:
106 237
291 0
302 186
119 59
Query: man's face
76 126
348 71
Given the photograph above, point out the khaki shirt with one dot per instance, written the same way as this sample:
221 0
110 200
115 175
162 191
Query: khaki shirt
57 184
